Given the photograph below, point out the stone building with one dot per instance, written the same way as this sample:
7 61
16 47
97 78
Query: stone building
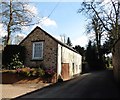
116 60
44 49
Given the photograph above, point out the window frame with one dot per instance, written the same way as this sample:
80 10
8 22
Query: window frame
33 51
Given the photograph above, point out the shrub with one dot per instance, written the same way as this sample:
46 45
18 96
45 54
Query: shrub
9 51
30 72
24 71
34 72
15 62
40 72
49 72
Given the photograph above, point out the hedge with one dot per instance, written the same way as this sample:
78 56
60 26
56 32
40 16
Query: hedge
9 51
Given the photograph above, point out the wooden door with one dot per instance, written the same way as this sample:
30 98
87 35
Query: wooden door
65 71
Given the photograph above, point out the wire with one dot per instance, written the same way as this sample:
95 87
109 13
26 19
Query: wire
54 9
47 16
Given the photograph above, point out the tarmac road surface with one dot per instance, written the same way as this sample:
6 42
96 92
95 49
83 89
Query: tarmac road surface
99 84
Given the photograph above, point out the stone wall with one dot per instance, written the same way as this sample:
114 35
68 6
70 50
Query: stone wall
116 60
49 49
1 47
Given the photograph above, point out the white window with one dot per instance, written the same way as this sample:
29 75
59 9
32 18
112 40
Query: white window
37 50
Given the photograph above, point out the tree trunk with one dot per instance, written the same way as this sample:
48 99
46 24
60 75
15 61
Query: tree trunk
9 25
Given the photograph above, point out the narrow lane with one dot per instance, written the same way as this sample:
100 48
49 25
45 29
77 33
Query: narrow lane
98 84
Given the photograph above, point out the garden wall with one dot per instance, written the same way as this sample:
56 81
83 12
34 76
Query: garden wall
116 60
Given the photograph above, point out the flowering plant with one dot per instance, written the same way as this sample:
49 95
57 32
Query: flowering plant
16 63
30 72
18 70
50 71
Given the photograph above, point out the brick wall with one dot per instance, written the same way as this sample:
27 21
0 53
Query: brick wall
49 49
116 60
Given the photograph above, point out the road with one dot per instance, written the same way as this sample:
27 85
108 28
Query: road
99 84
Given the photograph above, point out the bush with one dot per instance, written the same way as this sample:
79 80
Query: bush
15 62
23 71
28 72
49 72
40 72
10 51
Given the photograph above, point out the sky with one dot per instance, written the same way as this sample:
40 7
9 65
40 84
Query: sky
58 18
63 21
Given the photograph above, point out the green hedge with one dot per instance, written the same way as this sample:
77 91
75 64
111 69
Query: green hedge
9 51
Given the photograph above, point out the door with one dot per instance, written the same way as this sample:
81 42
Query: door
65 71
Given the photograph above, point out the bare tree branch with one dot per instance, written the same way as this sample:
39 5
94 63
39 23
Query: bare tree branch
15 15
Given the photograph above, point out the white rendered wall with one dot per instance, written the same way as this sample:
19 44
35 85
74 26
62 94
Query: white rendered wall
59 60
66 55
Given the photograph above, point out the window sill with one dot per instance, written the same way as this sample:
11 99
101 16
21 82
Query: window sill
36 60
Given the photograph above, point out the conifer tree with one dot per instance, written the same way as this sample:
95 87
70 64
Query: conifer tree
69 42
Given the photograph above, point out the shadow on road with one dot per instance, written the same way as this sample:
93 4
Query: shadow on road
97 84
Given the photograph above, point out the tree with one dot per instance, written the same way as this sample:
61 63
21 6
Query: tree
106 46
18 38
4 40
108 14
15 15
92 59
79 49
69 42
96 28
90 55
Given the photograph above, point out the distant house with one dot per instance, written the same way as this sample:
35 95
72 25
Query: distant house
44 49
116 60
